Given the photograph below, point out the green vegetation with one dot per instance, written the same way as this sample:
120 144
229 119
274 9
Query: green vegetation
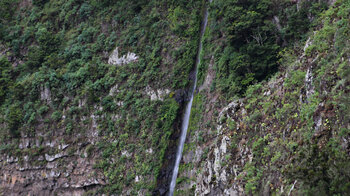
55 75
55 81
296 131
247 37
5 78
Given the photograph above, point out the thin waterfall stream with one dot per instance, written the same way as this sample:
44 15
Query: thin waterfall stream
186 117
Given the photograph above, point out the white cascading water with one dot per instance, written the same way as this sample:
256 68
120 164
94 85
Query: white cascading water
186 117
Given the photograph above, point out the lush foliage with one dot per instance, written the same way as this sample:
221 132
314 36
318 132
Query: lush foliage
54 76
288 134
251 34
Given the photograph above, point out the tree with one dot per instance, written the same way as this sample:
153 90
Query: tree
14 120
5 78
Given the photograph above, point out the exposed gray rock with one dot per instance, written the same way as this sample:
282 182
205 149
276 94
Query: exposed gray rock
158 94
318 123
120 103
51 165
276 20
149 151
308 43
50 143
81 103
198 154
137 179
53 174
188 157
24 143
114 90
62 146
54 157
308 83
45 94
114 58
214 173
94 120
11 159
126 153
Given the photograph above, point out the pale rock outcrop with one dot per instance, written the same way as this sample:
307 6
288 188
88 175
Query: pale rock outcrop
114 90
82 103
126 153
45 94
158 94
307 44
214 171
230 109
114 58
59 169
24 143
62 146
214 178
276 20
149 151
308 84
137 179
54 157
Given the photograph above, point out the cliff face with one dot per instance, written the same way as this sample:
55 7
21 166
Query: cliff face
288 135
92 95
50 163
91 92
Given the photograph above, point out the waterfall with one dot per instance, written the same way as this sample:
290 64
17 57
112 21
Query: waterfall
187 113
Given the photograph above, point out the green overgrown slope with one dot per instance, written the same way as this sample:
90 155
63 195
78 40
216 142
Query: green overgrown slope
270 115
55 80
288 134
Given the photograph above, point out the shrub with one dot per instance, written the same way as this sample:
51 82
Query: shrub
85 11
56 116
7 9
5 78
296 79
39 3
47 40
14 120
43 109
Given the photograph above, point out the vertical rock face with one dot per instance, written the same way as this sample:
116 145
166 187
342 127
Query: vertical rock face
89 128
276 139
24 178
214 176
67 167
216 183
51 162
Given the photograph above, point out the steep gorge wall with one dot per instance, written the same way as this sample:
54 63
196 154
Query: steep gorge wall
71 124
74 121
287 136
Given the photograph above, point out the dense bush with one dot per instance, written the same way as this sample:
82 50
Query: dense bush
5 78
39 3
7 9
14 120
255 32
61 48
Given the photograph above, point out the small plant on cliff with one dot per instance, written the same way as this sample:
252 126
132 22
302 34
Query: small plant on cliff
14 120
